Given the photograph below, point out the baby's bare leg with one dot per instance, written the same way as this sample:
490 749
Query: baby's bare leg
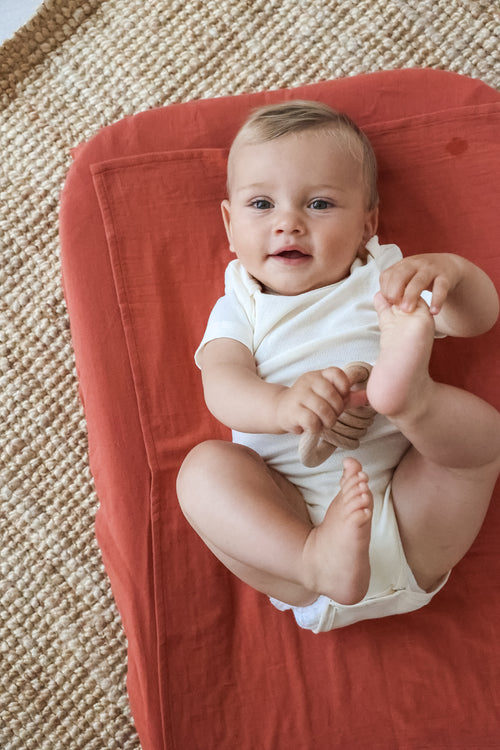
443 485
256 523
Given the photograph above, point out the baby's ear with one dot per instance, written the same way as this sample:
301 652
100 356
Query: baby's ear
371 224
226 217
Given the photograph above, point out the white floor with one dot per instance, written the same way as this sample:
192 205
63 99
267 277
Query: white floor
14 14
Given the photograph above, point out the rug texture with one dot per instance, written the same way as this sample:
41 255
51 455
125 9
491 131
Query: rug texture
76 67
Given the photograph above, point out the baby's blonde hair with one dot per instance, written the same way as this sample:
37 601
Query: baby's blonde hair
277 120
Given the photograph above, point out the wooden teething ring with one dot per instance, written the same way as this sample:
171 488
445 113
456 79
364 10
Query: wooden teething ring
350 427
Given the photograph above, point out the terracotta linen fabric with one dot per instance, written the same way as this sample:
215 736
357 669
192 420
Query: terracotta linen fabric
211 664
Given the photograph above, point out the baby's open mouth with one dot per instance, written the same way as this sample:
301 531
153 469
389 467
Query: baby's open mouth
291 254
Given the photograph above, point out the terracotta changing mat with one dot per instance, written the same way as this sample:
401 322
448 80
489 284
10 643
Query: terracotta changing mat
211 664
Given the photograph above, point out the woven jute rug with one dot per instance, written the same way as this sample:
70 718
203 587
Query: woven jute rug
76 67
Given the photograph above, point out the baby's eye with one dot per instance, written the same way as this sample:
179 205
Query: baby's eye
261 203
320 204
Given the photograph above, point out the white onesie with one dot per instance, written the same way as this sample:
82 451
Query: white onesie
291 335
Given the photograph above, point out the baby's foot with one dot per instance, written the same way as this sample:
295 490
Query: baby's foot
400 377
338 547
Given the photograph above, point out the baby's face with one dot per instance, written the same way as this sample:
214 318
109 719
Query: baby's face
296 215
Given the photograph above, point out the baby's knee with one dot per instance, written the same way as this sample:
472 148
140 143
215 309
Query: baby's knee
193 468
201 467
206 456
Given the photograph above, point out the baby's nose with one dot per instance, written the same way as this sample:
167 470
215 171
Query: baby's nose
289 221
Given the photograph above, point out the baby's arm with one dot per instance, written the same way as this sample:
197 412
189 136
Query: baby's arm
240 399
464 299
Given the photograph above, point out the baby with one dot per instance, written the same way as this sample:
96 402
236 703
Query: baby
372 531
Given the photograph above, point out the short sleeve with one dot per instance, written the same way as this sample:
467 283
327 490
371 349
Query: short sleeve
227 320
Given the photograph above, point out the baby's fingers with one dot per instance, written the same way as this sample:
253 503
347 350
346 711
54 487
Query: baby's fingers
422 282
327 398
440 289
313 403
414 288
394 281
337 380
315 414
325 403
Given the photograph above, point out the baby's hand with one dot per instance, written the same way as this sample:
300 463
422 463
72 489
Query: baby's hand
403 283
314 401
